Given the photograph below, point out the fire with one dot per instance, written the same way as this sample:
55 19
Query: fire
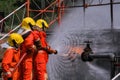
78 50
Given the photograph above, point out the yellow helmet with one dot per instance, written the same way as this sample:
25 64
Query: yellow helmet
42 23
16 37
26 21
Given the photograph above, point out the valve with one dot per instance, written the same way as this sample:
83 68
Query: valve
88 55
87 51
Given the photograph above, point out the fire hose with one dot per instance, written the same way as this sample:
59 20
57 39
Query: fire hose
19 62
50 51
47 50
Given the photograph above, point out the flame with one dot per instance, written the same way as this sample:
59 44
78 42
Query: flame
78 50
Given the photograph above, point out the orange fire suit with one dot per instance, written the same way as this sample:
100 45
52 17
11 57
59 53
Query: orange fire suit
41 58
44 43
10 59
26 64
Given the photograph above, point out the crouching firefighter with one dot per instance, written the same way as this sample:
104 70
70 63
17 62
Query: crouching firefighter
11 58
41 57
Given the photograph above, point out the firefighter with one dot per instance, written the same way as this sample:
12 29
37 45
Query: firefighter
11 57
41 26
41 58
28 48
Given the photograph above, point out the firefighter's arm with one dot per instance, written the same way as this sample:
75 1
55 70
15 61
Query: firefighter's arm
43 38
50 50
37 41
7 59
44 44
29 44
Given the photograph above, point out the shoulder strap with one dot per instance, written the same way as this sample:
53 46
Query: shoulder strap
26 34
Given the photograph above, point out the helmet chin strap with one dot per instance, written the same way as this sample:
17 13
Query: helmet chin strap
31 26
43 26
14 43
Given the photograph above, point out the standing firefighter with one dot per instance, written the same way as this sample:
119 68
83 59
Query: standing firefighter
11 58
27 48
41 57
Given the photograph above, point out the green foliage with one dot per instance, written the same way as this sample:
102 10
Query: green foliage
8 6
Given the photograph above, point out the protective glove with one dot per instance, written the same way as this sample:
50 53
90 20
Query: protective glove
7 74
31 50
52 51
38 44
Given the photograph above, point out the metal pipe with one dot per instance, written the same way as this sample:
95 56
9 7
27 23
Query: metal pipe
44 10
10 32
115 77
110 56
84 3
112 19
12 12
53 21
111 11
91 5
28 8
88 56
59 12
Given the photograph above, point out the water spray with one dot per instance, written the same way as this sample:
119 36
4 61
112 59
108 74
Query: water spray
88 55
